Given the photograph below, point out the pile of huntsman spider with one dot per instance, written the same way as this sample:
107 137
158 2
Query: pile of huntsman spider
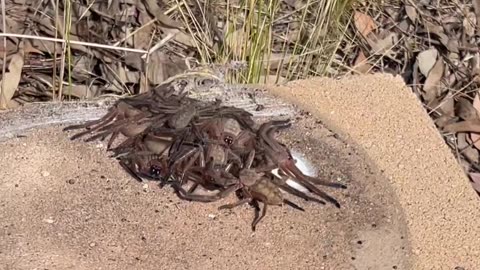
181 141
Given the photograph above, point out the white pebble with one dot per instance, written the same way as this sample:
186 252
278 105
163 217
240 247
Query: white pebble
49 220
45 173
212 216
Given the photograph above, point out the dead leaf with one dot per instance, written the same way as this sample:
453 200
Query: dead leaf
361 64
464 126
411 12
469 23
438 30
447 106
465 148
432 86
152 7
156 72
426 60
81 91
181 37
132 60
476 6
364 23
465 110
475 136
11 79
82 67
475 181
384 45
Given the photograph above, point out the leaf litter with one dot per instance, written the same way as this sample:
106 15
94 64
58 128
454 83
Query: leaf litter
433 45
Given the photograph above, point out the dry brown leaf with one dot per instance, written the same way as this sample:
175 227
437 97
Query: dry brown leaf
361 64
426 60
432 87
132 60
475 136
469 23
464 126
476 6
81 91
438 30
475 181
384 45
181 37
465 110
465 147
447 106
156 71
364 23
153 8
82 66
446 109
411 12
11 78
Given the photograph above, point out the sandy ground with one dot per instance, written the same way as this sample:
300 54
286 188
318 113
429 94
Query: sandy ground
384 119
66 205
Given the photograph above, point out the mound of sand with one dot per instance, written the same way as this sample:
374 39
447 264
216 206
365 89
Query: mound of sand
66 205
382 116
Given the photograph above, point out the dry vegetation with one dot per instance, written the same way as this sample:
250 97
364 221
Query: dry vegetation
125 47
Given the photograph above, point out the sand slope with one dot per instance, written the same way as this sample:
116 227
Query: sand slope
382 116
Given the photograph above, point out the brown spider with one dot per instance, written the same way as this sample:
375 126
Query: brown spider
278 156
144 155
259 187
220 177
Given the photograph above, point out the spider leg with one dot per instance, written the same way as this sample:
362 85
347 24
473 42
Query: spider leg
249 161
298 193
235 204
318 192
293 171
106 118
266 129
190 164
293 205
203 198
193 188
258 218
112 139
130 171
101 135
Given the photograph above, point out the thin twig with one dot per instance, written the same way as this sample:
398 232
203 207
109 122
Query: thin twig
87 44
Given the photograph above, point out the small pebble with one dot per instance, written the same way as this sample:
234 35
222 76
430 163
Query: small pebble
145 187
92 244
49 220
212 216
45 174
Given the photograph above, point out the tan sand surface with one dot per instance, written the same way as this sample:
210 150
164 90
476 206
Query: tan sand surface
66 205
380 115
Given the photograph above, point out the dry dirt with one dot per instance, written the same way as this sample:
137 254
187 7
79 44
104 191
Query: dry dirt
381 116
66 205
